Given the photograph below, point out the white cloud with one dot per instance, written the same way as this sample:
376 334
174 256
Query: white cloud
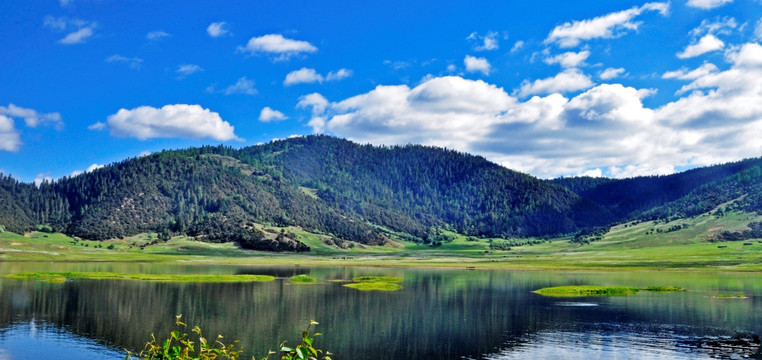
42 178
187 69
707 4
685 74
718 26
303 75
337 75
475 64
518 45
242 86
569 59
484 42
707 43
98 126
592 173
65 2
315 101
451 68
80 30
55 23
566 81
217 29
93 167
608 26
32 117
133 62
268 114
157 35
78 36
308 76
10 140
758 31
170 121
277 45
611 73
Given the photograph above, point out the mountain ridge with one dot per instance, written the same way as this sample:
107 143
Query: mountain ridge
363 193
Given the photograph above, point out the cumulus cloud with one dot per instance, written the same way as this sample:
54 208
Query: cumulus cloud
604 130
170 121
608 26
268 114
611 73
484 42
32 117
217 29
685 74
90 168
10 140
133 62
187 69
42 178
707 4
157 35
707 43
475 64
303 75
337 75
569 59
308 76
277 46
567 81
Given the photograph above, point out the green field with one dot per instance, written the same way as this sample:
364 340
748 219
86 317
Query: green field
63 276
631 246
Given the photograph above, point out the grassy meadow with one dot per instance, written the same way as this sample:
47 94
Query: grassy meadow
631 246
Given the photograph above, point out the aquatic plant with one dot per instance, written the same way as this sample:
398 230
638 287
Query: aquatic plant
180 346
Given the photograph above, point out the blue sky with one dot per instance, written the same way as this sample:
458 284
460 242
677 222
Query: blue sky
551 88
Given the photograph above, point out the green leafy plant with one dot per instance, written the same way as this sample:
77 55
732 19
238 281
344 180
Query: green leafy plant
305 350
179 346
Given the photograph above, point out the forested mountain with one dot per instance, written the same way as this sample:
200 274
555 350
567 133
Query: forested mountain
320 183
355 192
675 196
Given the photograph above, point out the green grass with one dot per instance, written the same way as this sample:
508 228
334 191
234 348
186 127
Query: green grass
592 290
62 276
375 286
626 247
662 288
303 279
586 290
730 296
389 279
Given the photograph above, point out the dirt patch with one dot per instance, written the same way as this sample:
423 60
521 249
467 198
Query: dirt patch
16 244
715 229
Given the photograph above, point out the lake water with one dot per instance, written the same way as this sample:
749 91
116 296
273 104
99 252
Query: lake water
440 314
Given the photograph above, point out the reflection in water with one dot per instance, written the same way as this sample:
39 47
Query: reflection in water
440 314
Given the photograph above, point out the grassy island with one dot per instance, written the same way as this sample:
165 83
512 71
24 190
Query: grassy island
188 278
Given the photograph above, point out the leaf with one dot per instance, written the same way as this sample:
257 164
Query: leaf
300 352
286 349
313 322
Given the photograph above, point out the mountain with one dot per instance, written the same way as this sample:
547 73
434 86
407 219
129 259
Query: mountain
675 196
355 192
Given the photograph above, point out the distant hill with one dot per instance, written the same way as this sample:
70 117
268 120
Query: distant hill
675 196
361 193
323 184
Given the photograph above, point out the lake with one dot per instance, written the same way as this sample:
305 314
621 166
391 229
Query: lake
440 314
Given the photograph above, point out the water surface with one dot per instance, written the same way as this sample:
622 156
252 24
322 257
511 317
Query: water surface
440 314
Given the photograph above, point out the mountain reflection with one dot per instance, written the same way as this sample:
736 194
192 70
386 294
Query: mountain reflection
440 314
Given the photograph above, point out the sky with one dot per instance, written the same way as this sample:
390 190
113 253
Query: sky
550 88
